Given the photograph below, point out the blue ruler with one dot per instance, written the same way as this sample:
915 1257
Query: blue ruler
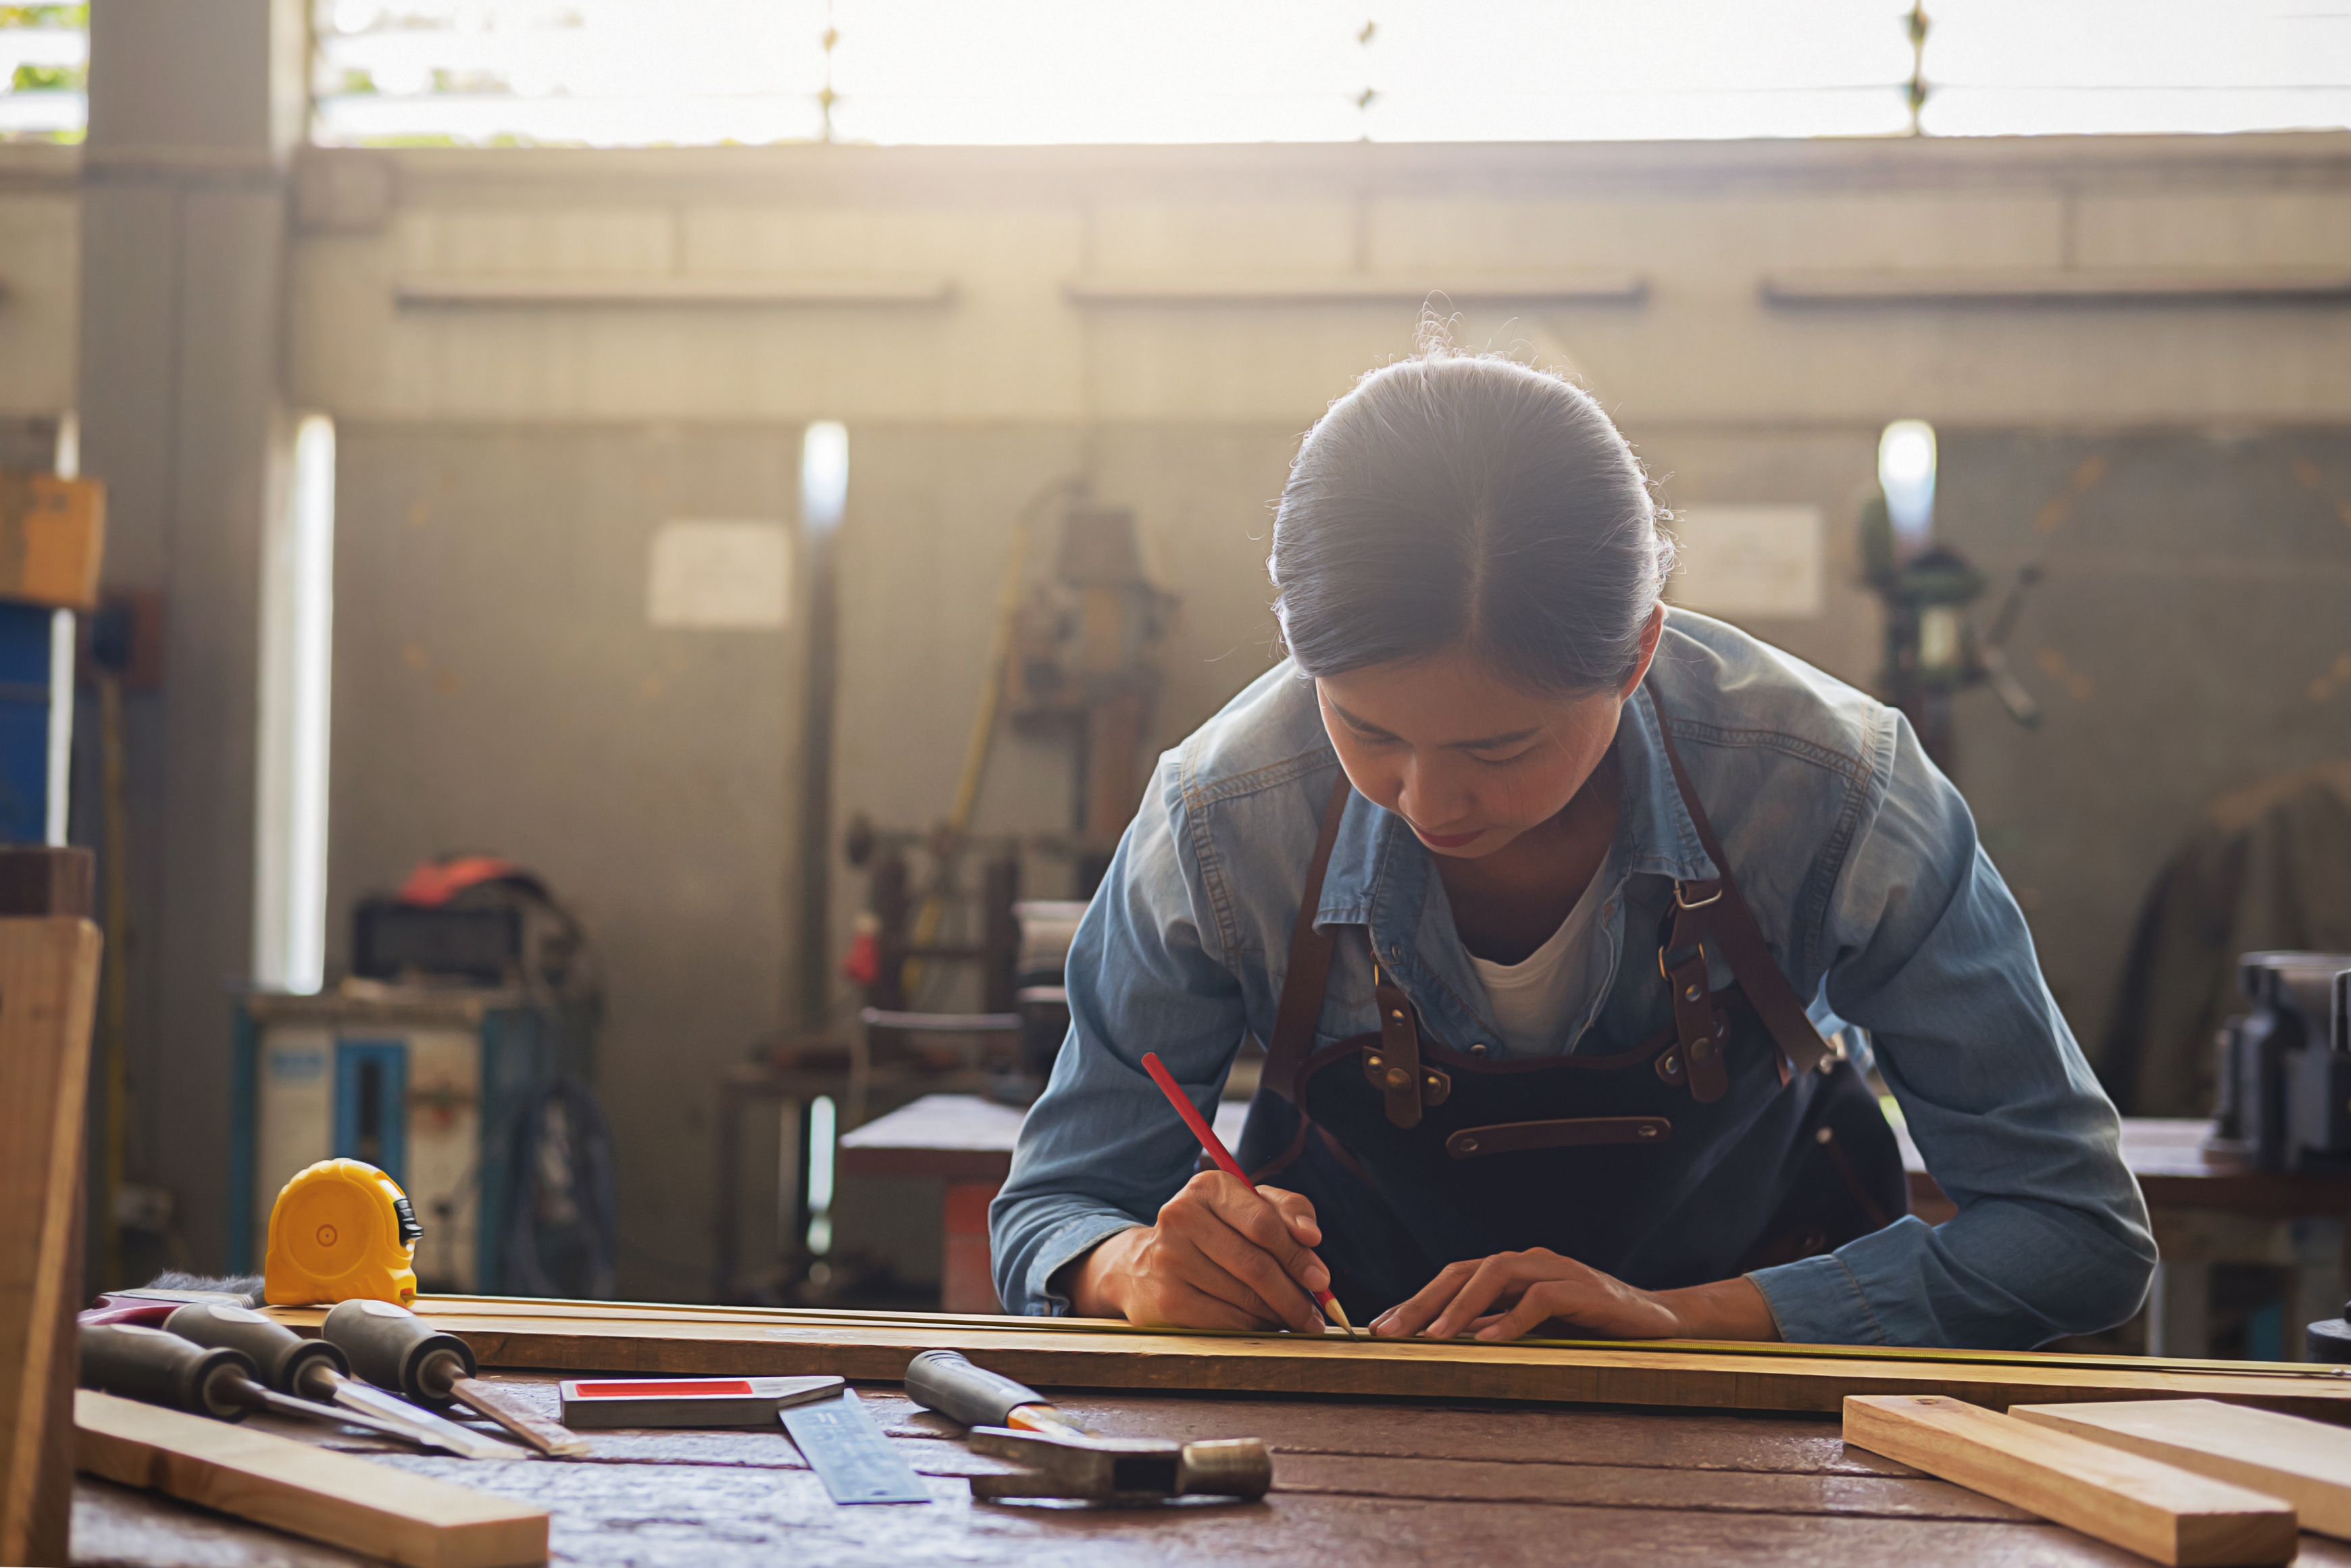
849 1453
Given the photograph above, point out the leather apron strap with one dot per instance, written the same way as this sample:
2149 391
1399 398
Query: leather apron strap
1302 984
1726 917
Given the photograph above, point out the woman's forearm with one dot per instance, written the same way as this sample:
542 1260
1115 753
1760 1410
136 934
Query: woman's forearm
1727 1309
1091 1281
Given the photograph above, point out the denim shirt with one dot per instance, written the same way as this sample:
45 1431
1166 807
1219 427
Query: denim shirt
1862 865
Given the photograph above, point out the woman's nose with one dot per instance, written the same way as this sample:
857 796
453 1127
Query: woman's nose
1430 794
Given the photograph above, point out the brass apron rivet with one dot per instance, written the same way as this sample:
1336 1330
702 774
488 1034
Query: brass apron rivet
1397 1078
1468 1146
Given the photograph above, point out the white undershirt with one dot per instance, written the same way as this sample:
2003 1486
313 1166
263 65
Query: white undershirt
1537 1002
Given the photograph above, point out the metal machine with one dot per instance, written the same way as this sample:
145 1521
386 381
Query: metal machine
425 1084
2285 1065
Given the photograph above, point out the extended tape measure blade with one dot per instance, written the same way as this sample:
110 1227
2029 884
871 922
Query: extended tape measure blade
849 1453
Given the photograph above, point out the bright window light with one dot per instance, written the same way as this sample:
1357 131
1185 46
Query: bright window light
1906 472
641 72
819 1174
59 781
824 475
298 617
44 72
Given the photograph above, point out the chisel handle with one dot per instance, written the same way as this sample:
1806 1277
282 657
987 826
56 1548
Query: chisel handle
944 1381
161 1368
284 1358
394 1348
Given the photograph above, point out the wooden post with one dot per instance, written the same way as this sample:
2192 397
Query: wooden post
48 988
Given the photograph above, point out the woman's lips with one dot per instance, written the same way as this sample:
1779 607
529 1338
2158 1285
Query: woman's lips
1449 841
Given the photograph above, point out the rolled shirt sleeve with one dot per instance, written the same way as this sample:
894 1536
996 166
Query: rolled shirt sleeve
1927 950
1101 1150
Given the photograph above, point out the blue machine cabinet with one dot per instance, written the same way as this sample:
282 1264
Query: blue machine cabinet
37 672
426 1085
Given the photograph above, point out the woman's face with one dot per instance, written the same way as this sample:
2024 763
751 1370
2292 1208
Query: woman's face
1468 759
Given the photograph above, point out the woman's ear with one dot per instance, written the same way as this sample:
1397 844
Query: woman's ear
1649 635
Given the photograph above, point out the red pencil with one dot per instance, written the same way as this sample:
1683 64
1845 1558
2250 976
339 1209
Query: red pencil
1225 1161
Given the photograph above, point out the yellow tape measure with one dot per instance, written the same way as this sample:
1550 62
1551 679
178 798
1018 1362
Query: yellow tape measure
340 1229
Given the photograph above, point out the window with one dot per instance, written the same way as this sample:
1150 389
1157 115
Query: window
44 72
642 72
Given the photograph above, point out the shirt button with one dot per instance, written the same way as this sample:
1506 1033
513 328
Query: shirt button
1396 951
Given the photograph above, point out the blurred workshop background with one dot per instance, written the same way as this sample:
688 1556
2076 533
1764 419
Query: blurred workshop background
649 544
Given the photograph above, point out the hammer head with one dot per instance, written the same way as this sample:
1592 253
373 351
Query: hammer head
1121 1469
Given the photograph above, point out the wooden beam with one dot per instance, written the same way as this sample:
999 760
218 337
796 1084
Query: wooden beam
860 288
2302 1461
1356 288
48 985
1062 1352
2060 286
2153 1509
313 1492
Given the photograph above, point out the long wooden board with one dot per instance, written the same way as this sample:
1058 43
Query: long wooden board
2141 1504
556 1308
48 988
652 1341
2304 1463
343 1500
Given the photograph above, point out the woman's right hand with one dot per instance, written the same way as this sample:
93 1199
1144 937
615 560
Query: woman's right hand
1221 1257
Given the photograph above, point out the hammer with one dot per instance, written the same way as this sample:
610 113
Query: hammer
1012 1421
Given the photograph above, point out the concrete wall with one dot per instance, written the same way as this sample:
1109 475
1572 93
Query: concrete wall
961 411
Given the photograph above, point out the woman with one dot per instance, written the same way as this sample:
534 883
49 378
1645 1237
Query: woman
1543 899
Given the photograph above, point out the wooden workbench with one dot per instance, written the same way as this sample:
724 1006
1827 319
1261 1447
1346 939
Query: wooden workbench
1353 1483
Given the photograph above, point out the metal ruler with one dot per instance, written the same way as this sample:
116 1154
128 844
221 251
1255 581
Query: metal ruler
849 1453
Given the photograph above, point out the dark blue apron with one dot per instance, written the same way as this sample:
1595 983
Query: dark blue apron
1732 1139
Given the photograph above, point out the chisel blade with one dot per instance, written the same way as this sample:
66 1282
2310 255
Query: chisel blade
288 1404
444 1434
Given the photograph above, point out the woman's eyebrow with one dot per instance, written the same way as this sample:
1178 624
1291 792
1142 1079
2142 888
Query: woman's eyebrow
1486 744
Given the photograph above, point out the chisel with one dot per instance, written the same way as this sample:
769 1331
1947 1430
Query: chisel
394 1348
315 1369
159 1368
946 1382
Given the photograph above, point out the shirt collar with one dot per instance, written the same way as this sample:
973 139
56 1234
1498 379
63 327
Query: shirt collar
1378 871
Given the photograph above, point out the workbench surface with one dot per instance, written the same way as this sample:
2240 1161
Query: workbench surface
1354 1482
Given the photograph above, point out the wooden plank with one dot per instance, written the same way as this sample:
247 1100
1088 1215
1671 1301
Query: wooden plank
1356 288
2156 1509
2057 286
558 1308
48 985
2307 1464
813 289
1043 1353
309 1491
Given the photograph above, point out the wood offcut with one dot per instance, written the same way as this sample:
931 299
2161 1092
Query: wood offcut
2307 1464
2156 1509
343 1500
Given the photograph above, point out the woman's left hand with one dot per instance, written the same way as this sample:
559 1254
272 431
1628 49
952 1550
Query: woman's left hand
1512 1293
